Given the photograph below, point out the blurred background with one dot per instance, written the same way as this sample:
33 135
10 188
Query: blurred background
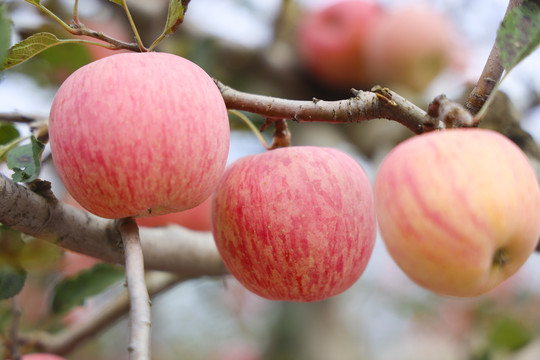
264 47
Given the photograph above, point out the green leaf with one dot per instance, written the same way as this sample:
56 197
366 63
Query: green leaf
12 274
119 2
11 244
25 161
8 132
31 46
5 33
519 33
12 280
35 2
509 334
175 16
73 291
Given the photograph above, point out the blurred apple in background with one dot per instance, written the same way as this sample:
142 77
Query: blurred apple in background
197 218
360 44
41 356
113 27
411 46
332 41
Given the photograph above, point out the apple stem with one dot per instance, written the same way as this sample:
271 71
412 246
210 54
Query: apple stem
139 313
500 258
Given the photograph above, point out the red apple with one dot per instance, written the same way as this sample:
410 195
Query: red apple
139 134
331 41
41 356
458 209
295 223
411 46
197 218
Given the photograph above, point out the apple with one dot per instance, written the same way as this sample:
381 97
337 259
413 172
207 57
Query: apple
197 218
295 223
458 209
41 356
139 134
331 41
411 46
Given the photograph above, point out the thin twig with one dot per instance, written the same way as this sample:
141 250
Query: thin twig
139 313
80 29
251 126
491 75
14 330
133 27
70 338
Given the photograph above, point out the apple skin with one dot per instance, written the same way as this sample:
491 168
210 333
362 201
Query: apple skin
197 218
41 356
411 46
296 223
458 209
139 134
331 41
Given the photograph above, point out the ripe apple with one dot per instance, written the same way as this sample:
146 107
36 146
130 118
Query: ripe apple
197 218
139 134
458 209
295 223
411 46
41 356
331 41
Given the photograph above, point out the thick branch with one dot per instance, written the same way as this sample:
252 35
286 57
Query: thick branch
173 248
365 105
492 73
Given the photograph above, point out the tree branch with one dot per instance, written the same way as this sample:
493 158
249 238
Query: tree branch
173 248
139 313
492 73
103 317
365 105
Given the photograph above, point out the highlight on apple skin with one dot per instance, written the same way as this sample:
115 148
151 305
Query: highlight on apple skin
139 134
458 210
295 223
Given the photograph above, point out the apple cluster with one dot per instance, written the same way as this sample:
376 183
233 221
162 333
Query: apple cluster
359 43
147 134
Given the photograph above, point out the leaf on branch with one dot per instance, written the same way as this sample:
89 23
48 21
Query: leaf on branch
8 132
25 161
73 291
35 2
12 274
519 33
31 46
509 334
5 33
12 280
175 16
119 2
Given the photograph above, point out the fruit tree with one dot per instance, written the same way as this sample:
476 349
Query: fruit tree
152 167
